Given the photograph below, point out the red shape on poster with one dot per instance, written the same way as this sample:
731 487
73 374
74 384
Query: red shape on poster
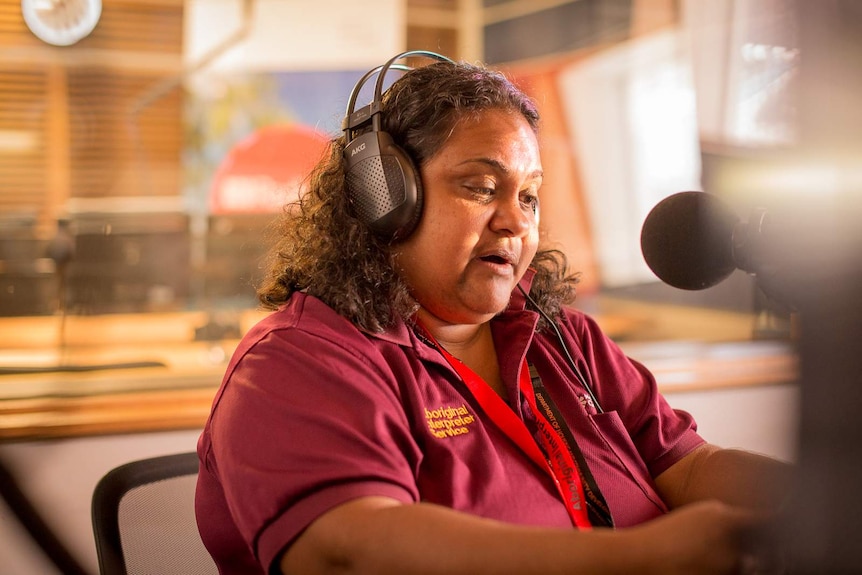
266 170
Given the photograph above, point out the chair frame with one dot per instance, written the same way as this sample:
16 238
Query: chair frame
110 490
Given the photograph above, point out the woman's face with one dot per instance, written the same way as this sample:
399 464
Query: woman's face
479 227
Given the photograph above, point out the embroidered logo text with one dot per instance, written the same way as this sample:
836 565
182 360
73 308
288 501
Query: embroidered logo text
449 421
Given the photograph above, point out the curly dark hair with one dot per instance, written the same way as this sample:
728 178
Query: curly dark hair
323 249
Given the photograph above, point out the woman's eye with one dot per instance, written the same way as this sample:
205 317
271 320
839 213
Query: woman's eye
531 202
481 191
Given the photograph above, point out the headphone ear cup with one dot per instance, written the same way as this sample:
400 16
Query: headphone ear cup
383 186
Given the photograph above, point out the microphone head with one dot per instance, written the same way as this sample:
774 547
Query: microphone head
687 240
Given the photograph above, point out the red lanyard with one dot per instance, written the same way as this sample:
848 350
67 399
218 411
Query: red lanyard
558 462
559 457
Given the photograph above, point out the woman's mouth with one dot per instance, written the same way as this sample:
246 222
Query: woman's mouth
499 259
494 259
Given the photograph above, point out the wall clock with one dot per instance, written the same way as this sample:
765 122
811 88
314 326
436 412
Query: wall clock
61 22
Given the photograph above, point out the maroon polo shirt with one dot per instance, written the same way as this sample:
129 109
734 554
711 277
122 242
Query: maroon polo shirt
313 413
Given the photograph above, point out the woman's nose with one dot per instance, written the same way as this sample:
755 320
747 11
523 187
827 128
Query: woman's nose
512 218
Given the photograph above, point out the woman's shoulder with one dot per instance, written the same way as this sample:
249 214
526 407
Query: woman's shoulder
308 321
584 325
578 319
302 316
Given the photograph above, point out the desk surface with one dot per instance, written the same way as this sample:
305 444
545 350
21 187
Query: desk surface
96 389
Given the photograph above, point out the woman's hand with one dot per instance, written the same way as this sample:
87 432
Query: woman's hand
705 537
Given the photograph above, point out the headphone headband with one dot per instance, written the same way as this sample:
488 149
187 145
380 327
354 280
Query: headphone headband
354 118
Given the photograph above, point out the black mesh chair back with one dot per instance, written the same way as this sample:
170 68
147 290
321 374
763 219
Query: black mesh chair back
144 519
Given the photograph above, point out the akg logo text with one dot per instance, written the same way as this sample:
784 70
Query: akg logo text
357 149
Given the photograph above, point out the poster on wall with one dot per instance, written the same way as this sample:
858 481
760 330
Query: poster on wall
271 83
251 139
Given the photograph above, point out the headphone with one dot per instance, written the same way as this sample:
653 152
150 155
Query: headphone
382 183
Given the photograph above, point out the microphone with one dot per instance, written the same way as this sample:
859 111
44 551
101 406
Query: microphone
693 241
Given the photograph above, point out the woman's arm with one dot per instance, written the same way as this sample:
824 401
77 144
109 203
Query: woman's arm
733 476
380 535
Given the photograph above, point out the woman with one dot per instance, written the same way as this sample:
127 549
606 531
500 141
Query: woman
422 401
